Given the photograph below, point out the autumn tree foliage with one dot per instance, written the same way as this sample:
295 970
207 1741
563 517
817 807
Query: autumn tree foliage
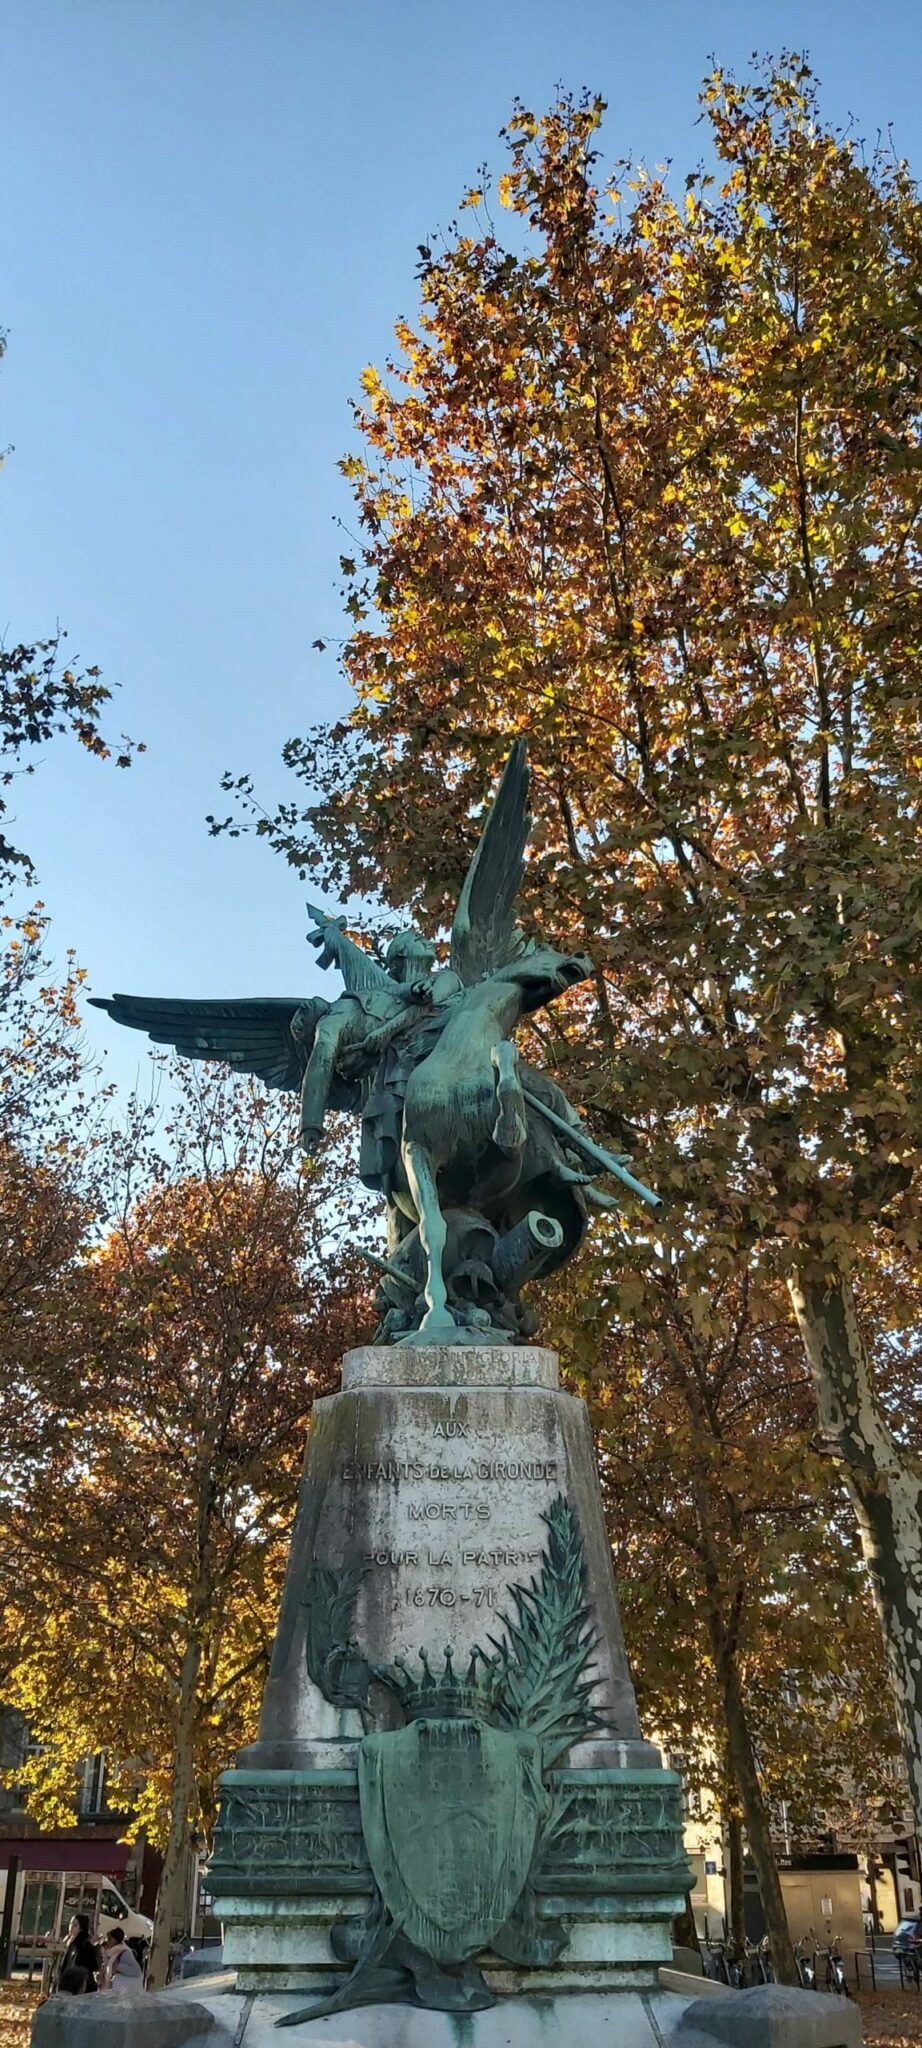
747 1612
644 482
42 697
52 1124
149 1539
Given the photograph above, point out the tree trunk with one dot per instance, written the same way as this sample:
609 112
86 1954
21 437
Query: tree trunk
746 1776
885 1484
737 1910
170 1894
684 1931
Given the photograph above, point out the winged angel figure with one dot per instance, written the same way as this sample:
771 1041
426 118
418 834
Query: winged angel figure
485 1167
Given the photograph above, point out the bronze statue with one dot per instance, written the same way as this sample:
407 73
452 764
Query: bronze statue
481 1160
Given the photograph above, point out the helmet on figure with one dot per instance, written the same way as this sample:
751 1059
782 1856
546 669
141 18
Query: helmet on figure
410 957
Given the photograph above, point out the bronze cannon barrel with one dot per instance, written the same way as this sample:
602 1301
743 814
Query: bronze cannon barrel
521 1253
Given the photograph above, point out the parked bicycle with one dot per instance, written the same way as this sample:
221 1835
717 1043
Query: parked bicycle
742 1968
723 1963
835 1967
805 1957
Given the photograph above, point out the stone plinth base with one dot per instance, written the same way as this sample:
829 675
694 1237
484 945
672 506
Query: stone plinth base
767 2018
430 1476
291 1862
428 1486
448 1490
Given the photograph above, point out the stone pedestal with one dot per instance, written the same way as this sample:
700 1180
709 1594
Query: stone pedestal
225 2017
427 1481
431 1474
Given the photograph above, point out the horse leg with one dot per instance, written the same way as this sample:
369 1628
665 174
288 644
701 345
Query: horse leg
318 1074
510 1131
432 1235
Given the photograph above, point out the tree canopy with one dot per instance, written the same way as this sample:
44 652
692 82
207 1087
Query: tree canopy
643 481
42 697
146 1537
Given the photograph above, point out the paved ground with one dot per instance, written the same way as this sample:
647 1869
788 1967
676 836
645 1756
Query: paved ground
17 2004
887 1972
892 2018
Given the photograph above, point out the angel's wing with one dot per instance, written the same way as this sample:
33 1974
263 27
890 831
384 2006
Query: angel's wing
358 969
484 934
253 1033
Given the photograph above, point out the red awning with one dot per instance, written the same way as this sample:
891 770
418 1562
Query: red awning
45 1852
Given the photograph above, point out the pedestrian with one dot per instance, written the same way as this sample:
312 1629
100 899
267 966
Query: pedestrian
70 1980
121 1971
80 1960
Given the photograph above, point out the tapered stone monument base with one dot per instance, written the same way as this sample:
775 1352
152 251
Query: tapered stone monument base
431 1476
429 1479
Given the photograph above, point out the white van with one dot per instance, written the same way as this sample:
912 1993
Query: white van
47 1900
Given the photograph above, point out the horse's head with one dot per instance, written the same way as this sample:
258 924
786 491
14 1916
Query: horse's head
543 973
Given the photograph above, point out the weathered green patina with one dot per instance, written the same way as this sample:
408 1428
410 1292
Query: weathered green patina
451 1812
458 1828
484 1165
290 1833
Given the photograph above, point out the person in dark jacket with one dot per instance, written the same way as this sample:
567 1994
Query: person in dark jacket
80 1956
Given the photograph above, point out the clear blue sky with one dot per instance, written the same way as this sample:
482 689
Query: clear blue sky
211 216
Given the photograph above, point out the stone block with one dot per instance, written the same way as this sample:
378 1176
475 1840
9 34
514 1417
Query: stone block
691 1985
589 2019
623 2018
449 1365
687 1961
614 1876
770 2016
202 1962
104 2021
430 1487
437 1495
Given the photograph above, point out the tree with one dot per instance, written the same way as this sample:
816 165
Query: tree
151 1538
646 484
745 1603
51 1132
40 698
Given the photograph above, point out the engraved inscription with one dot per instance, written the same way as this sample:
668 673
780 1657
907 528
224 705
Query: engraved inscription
390 1471
386 1472
450 1514
448 1511
489 1559
447 1596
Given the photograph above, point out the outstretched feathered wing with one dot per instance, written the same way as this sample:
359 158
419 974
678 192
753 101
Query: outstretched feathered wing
358 969
251 1033
484 934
